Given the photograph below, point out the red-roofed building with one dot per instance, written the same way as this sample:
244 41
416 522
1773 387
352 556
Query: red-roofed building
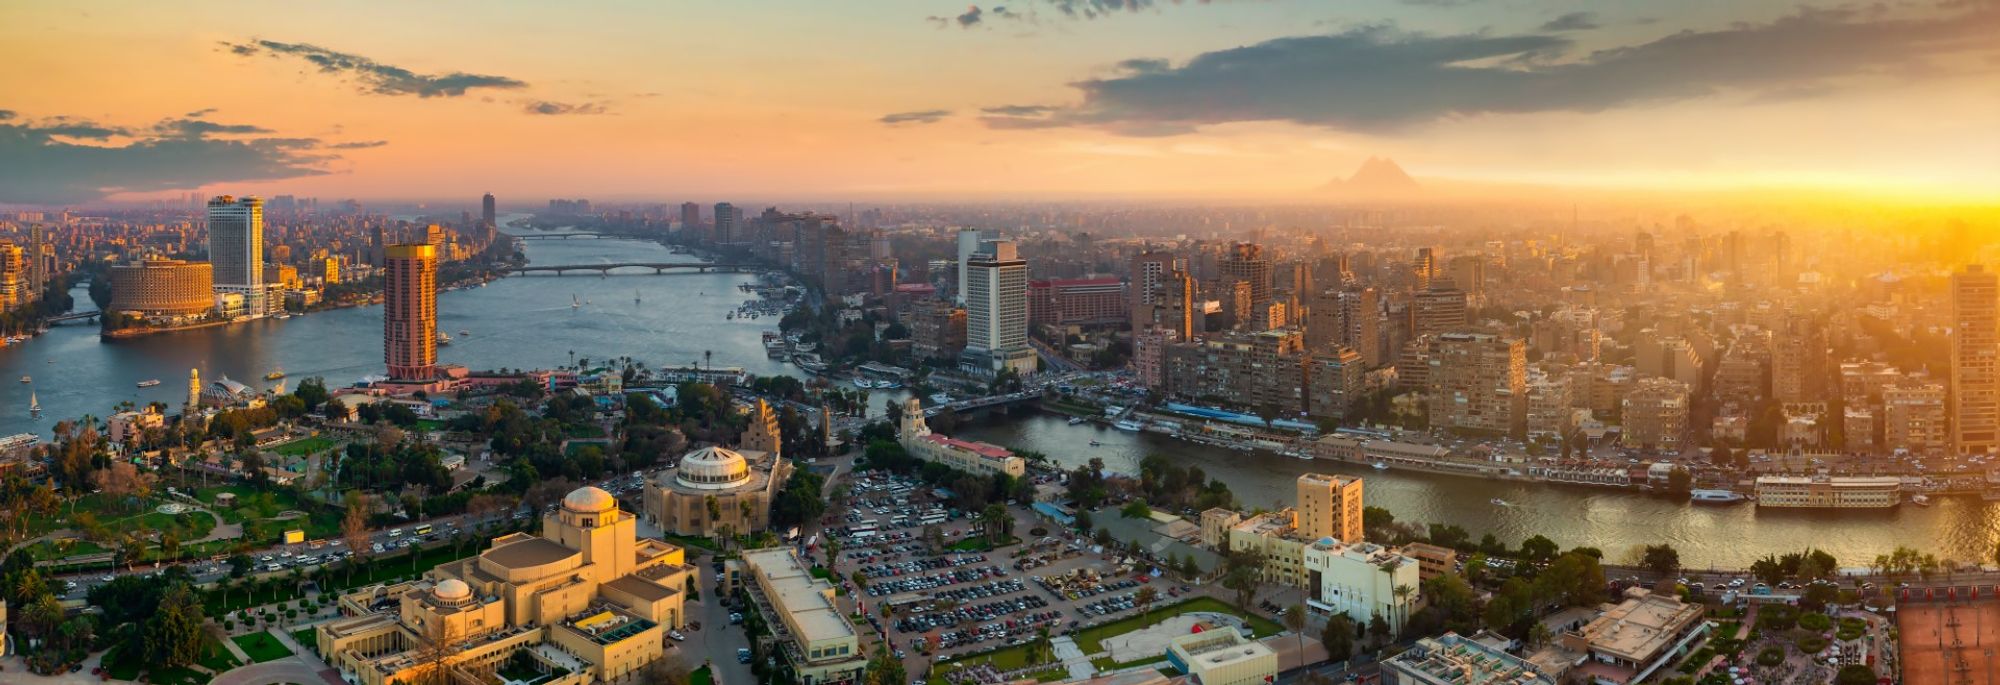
965 455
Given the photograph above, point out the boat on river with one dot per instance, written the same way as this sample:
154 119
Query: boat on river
1074 420
1716 496
1380 466
1128 425
150 382
1500 502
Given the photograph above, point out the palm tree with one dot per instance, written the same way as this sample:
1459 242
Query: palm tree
1295 621
1144 598
1402 593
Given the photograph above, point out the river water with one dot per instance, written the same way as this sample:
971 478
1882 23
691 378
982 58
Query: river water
527 322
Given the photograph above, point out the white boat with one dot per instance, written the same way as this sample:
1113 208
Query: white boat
1380 466
463 333
1095 443
1920 499
34 405
1074 420
1500 502
150 382
1715 496
940 398
573 302
27 379
863 383
443 338
1128 425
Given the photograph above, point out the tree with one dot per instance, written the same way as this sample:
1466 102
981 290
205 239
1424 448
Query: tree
173 635
1295 621
884 669
240 565
666 670
1145 598
998 522
1242 571
1539 548
1338 637
354 530
1854 674
1662 559
1137 509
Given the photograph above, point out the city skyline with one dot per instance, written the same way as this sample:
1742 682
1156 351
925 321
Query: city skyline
1057 100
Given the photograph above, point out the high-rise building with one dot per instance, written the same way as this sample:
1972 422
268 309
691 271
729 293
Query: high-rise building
1798 359
1914 419
1335 380
1478 381
409 312
14 289
236 242
1975 351
727 220
1361 314
996 310
1423 269
1437 310
488 212
690 216
1172 307
968 245
1655 415
1246 263
1329 506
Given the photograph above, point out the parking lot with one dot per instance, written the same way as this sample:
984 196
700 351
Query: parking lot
949 603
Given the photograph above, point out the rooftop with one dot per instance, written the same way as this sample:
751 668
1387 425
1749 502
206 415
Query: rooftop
795 592
529 552
1639 627
1452 658
987 450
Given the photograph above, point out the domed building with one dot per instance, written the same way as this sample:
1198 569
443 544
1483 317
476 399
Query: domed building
714 489
586 595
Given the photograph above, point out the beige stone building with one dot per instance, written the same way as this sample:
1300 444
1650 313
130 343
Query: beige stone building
587 600
714 489
1656 415
819 644
1329 506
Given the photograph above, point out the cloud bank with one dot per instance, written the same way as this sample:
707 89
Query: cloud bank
928 116
62 159
375 77
1378 78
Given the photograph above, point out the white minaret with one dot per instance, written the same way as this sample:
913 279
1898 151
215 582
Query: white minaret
194 391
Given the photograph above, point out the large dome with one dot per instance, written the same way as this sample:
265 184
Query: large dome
588 500
452 590
713 468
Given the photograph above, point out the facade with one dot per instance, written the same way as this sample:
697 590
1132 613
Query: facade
1656 415
17 284
1820 492
1223 657
712 490
1478 382
1914 418
1246 263
1329 506
1361 319
1077 301
1633 640
968 244
1975 361
937 329
1361 581
820 646
1438 310
587 596
1452 659
1336 382
1149 355
409 312
965 455
236 242
1432 560
996 310
163 287
1252 371
1273 536
1550 412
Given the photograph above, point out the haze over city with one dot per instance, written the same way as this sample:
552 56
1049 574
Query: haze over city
1083 342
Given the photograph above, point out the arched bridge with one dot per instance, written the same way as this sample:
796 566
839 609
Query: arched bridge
566 235
657 267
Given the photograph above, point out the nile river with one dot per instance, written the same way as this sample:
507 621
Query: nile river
527 322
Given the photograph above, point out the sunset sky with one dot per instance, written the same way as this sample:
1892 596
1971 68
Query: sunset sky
1031 98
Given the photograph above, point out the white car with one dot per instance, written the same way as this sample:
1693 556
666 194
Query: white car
676 635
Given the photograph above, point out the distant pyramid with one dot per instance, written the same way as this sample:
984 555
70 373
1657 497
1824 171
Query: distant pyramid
1378 175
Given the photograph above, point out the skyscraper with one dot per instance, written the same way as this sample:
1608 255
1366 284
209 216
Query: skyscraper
409 312
726 219
996 310
690 216
968 244
1975 350
1246 263
236 244
1423 269
487 215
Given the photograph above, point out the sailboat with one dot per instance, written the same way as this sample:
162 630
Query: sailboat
573 302
635 297
34 405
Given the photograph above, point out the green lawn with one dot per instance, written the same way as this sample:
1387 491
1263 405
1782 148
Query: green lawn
307 638
379 570
701 676
304 446
690 541
262 647
1090 640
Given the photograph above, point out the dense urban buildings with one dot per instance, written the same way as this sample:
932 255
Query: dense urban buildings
1975 361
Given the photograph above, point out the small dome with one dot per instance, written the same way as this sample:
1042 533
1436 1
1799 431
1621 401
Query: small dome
589 499
452 590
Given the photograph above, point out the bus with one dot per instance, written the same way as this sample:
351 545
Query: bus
931 519
423 530
862 527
